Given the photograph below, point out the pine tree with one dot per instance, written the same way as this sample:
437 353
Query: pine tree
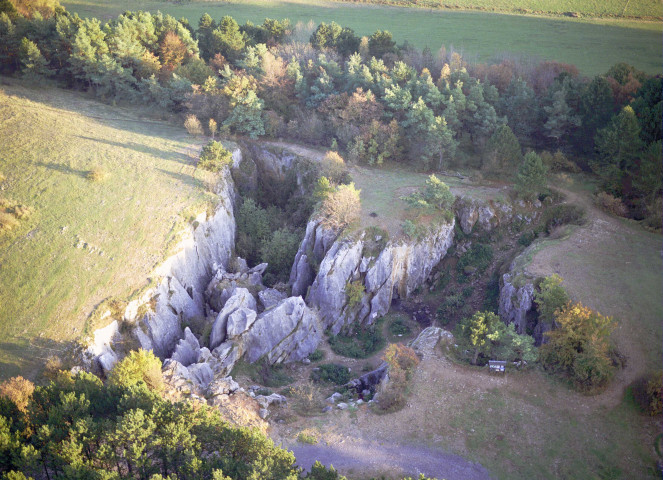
531 179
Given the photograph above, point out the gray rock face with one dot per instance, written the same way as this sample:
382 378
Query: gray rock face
515 302
240 321
241 298
187 350
179 296
471 212
288 332
270 297
399 268
315 245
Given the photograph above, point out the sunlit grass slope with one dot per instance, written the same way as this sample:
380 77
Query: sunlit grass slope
87 239
592 45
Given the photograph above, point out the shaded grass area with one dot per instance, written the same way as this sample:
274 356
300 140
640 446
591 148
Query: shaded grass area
87 239
593 46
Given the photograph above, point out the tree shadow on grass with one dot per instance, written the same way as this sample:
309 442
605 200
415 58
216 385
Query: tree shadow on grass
31 354
58 167
140 148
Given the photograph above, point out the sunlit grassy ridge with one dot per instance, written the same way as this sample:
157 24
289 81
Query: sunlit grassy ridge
593 46
89 237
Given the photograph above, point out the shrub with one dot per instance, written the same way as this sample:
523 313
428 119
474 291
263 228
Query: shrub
307 438
306 398
558 162
341 207
563 214
193 126
531 177
610 204
333 167
7 221
97 174
355 292
435 195
323 188
214 157
550 298
647 392
18 390
316 356
139 366
402 361
399 327
477 257
527 238
580 348
361 344
331 373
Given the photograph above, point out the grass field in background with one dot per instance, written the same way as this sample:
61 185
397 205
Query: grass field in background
593 46
85 240
588 8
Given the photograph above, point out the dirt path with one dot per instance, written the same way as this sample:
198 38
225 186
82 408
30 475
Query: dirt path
378 457
613 266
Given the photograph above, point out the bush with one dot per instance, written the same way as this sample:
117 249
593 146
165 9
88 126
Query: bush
550 298
355 292
361 344
139 366
399 327
331 373
477 257
402 361
193 126
527 238
580 348
18 390
647 392
435 195
306 398
97 174
341 207
214 157
563 214
333 167
307 438
610 204
316 356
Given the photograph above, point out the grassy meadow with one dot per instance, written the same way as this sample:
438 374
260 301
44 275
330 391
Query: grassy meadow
86 239
592 45
589 8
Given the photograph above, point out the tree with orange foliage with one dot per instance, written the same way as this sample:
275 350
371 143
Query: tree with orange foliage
172 51
18 390
580 347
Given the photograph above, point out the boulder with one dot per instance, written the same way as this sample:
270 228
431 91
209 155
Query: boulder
288 332
317 241
241 298
370 380
270 297
239 322
428 339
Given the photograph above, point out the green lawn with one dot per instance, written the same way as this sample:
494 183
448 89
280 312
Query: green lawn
592 45
85 240
591 8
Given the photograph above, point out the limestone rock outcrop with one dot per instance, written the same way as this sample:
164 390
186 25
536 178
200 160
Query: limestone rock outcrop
396 268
